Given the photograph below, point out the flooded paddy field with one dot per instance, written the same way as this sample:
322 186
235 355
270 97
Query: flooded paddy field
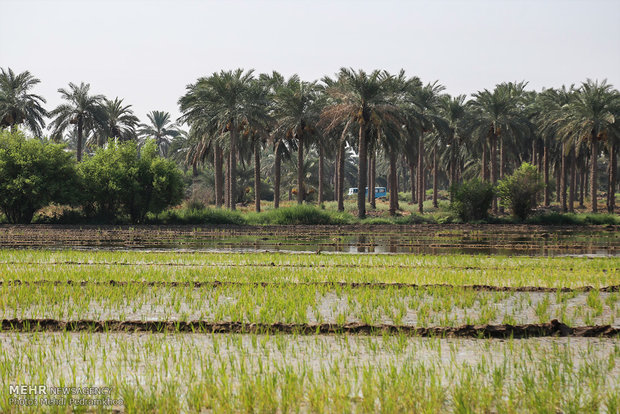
181 319
421 239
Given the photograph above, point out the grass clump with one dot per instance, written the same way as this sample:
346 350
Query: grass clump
303 214
198 216
576 219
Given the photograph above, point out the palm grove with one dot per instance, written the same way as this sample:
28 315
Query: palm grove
355 127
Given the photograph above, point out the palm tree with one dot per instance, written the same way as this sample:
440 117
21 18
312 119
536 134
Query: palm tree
500 114
17 104
364 99
422 111
82 110
161 128
590 118
296 109
120 122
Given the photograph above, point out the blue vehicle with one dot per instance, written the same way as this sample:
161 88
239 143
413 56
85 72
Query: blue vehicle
380 192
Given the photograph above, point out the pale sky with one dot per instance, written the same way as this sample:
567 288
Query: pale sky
148 51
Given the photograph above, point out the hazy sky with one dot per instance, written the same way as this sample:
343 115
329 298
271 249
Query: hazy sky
148 51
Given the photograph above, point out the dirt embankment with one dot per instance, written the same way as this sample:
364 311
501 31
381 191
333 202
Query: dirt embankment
553 328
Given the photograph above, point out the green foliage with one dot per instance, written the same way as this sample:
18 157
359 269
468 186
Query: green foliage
471 200
519 192
303 214
119 180
33 174
198 216
577 219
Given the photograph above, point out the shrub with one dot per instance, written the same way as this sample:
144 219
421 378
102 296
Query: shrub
33 174
119 180
303 214
198 216
519 192
471 200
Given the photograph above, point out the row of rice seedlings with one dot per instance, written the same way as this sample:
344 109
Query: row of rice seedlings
545 277
262 373
606 264
304 304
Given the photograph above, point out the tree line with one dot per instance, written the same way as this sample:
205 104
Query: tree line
426 137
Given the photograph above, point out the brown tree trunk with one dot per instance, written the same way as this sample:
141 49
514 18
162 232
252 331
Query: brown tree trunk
421 174
558 174
563 177
393 184
593 173
300 170
435 177
573 176
546 175
277 174
613 170
257 176
582 190
227 195
233 166
321 172
217 165
361 173
341 160
494 168
412 174
485 161
79 139
373 180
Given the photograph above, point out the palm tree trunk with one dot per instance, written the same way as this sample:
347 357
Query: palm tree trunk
233 166
593 172
435 177
300 170
361 173
563 176
412 181
257 176
217 160
337 174
393 184
227 195
546 174
421 174
485 162
573 178
277 175
79 139
494 168
373 180
613 167
341 160
558 174
582 189
321 173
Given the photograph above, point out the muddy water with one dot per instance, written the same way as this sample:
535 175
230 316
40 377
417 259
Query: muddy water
428 239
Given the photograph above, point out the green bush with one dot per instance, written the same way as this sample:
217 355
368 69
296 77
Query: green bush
198 216
471 200
119 180
33 174
519 191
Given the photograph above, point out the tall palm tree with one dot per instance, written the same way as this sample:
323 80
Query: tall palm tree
422 111
590 118
364 98
160 128
17 104
120 122
296 109
499 113
82 110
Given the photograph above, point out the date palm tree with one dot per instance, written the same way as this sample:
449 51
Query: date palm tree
17 104
296 110
590 118
160 128
82 110
120 122
365 99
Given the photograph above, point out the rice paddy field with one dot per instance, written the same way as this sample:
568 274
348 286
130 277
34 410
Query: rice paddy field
423 318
